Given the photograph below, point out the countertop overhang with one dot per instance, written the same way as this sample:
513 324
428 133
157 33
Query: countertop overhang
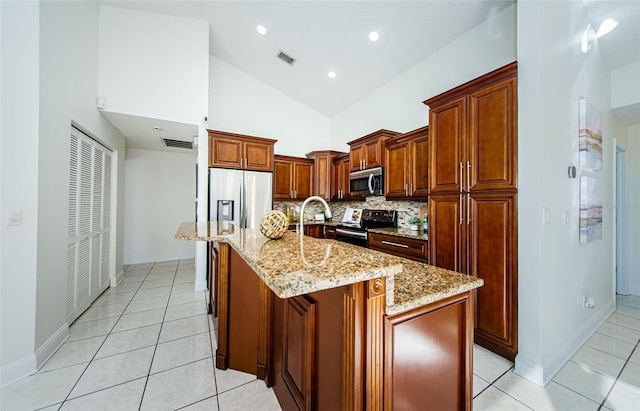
296 265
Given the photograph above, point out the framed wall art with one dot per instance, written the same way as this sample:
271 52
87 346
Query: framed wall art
591 197
590 120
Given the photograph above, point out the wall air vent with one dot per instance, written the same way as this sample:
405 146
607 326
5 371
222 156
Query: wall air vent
286 58
167 142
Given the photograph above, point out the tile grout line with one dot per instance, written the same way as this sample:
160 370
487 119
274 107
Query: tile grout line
96 353
618 377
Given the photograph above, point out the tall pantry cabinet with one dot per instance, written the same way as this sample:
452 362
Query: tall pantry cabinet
473 197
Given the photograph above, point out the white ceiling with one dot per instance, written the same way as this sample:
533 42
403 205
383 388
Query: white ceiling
333 35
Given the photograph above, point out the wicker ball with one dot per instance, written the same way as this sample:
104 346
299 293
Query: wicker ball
274 224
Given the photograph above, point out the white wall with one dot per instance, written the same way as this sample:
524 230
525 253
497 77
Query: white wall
239 103
54 80
19 38
633 207
555 270
625 84
159 195
154 65
398 104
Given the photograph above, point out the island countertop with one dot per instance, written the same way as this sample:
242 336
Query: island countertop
296 265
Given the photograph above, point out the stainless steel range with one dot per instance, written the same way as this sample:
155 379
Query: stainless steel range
356 222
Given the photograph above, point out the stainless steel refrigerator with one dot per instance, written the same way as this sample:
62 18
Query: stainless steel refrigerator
239 196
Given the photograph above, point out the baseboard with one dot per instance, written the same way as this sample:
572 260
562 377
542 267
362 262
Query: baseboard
17 370
51 345
542 374
634 290
200 286
119 277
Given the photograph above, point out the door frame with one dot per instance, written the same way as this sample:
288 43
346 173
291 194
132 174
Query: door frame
620 272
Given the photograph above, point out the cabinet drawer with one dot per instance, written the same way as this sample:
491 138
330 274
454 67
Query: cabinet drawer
403 247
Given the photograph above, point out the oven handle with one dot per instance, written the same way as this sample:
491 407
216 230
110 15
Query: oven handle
370 183
351 233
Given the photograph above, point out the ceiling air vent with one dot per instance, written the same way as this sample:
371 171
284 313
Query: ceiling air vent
286 58
188 145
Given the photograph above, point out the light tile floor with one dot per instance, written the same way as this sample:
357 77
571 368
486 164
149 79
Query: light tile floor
149 344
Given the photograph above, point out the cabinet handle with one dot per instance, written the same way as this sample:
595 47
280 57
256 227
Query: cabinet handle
461 188
394 244
468 208
405 190
411 189
468 176
461 220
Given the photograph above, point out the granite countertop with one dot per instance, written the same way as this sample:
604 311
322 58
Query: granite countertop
296 265
401 232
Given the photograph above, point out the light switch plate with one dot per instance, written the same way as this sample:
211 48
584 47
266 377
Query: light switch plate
546 216
14 217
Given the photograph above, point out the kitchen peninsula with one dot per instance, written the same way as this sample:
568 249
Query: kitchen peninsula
334 326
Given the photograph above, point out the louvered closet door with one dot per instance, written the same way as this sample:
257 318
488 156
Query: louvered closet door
89 223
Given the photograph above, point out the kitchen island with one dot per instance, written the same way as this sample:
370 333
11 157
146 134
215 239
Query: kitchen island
334 326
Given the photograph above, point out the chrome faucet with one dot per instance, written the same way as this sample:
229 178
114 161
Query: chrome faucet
327 210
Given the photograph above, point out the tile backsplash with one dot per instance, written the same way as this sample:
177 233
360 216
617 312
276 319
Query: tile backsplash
405 209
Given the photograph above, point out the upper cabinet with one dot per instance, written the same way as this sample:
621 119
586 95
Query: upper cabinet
473 140
341 168
238 151
292 178
407 165
368 151
324 181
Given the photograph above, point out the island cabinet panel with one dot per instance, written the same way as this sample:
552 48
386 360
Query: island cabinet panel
230 150
434 376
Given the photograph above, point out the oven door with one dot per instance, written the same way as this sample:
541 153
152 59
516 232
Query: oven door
352 236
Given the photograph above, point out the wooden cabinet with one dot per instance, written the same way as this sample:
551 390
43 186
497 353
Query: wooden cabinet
292 178
473 135
413 249
407 165
330 232
342 168
368 151
314 230
229 150
324 180
473 197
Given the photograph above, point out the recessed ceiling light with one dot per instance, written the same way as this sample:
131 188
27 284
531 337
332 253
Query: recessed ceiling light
331 74
606 26
261 29
374 36
157 129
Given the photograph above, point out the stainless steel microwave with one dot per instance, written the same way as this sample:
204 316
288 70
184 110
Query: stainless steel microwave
367 182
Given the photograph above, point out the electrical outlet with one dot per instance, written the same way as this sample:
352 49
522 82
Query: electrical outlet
588 302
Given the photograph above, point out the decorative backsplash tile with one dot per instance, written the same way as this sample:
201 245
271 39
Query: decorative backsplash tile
405 209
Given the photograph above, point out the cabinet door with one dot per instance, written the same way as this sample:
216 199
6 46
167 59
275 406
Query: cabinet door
447 232
492 144
342 167
493 257
225 153
419 150
397 171
258 156
447 128
373 153
282 180
323 184
356 155
303 180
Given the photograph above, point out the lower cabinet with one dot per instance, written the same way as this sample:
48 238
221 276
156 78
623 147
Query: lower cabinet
336 349
330 232
313 230
413 249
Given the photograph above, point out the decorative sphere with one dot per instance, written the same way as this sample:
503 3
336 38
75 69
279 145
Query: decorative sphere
274 224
